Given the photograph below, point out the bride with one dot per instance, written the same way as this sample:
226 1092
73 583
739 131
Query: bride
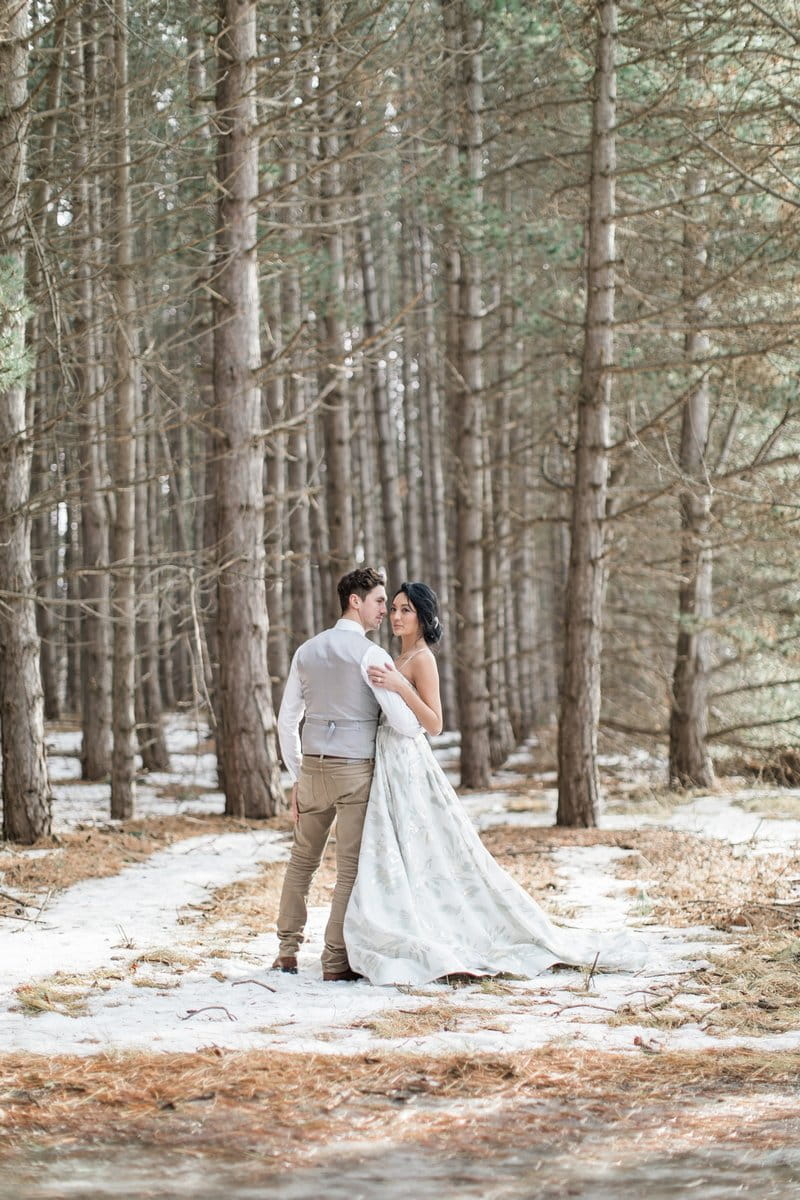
429 900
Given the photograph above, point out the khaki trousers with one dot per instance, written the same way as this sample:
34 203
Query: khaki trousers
328 788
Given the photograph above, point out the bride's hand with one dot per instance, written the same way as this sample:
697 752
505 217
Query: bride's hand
387 677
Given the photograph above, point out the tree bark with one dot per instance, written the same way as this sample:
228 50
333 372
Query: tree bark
386 434
436 509
150 735
578 784
251 774
300 576
46 536
276 515
123 586
411 351
463 32
689 760
301 585
333 382
508 650
25 785
202 585
45 543
95 658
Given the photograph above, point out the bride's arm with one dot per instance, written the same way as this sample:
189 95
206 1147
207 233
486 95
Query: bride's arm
421 696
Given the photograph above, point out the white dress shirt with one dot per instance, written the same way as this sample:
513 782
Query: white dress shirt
293 706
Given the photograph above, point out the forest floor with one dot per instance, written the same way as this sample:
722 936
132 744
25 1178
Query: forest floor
144 1038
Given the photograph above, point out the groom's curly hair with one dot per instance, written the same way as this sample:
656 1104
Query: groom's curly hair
360 581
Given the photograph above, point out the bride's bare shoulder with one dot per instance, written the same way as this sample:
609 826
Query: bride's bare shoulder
425 665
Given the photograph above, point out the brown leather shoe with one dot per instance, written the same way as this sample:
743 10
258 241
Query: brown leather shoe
347 976
287 964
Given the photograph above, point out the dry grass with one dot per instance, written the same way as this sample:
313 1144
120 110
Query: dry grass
176 960
287 1108
65 992
756 988
68 993
51 996
774 805
692 880
752 991
683 879
442 1017
642 798
158 984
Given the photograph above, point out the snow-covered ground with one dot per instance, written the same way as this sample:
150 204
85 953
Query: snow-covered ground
103 937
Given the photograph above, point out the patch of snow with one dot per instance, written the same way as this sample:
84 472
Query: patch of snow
716 816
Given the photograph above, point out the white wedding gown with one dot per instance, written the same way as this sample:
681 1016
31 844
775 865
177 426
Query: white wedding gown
429 900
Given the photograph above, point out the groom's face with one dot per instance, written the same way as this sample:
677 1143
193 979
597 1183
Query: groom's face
373 608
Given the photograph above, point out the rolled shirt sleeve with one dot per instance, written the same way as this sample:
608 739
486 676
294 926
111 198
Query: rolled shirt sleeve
289 717
398 714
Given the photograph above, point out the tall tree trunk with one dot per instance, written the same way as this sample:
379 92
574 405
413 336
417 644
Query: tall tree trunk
301 576
501 734
529 612
502 508
45 541
386 434
204 618
71 624
412 450
369 541
318 524
578 785
25 785
332 377
276 512
463 33
95 657
434 473
301 585
123 588
42 338
251 774
150 735
689 760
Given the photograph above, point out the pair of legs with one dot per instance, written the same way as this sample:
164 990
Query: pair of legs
328 788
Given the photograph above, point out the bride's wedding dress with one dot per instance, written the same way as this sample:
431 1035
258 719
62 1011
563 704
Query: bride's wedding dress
429 900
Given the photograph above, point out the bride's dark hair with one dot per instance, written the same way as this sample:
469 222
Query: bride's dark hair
426 606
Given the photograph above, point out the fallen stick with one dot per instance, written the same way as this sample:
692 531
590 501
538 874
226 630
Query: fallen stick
44 904
598 1007
16 900
257 982
208 1008
592 972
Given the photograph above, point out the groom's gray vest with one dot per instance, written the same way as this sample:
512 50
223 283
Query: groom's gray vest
341 711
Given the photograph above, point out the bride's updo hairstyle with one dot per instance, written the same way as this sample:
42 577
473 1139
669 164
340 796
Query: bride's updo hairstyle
426 606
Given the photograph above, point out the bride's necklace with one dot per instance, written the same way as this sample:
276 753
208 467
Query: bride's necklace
409 653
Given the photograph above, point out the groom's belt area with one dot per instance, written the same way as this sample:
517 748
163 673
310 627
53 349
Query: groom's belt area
335 758
333 723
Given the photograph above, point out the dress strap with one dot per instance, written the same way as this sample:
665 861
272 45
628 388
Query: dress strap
411 655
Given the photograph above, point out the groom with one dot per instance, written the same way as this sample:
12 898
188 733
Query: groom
331 767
